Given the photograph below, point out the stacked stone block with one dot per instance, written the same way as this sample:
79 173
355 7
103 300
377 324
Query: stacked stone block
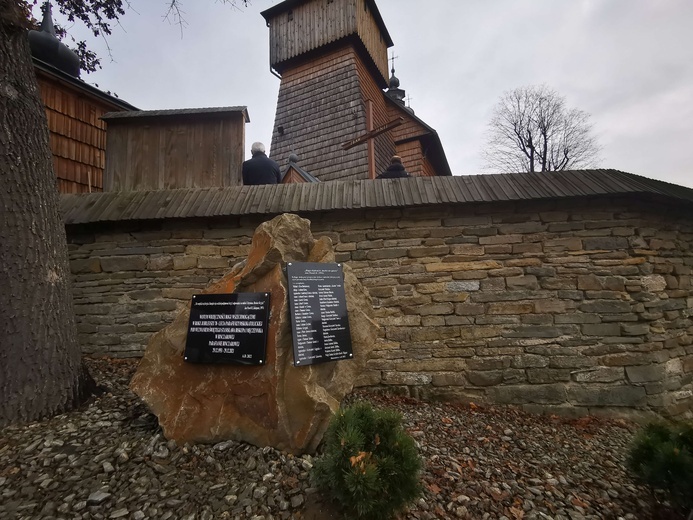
571 307
130 281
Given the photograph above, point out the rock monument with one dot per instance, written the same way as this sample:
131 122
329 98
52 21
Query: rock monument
276 404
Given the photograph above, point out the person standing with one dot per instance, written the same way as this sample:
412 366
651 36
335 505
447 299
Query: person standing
260 169
395 170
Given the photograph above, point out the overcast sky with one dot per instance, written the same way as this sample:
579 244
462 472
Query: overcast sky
628 63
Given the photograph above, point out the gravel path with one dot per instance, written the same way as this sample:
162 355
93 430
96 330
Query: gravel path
109 460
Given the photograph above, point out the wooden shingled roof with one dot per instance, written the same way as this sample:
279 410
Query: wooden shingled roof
208 112
322 196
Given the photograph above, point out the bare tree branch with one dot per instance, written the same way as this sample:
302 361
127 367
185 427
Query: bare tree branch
532 130
99 16
175 14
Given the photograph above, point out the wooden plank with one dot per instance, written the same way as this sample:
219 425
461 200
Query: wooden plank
205 164
482 185
109 211
442 191
115 158
357 194
247 200
342 199
429 190
198 210
187 203
457 189
237 202
288 192
385 191
160 161
416 191
258 196
471 190
551 188
172 147
135 202
497 189
524 186
368 197
153 206
180 197
226 201
309 198
93 213
294 204
274 197
146 208
325 195
215 194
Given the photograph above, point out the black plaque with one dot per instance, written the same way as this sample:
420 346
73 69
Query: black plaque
228 328
318 313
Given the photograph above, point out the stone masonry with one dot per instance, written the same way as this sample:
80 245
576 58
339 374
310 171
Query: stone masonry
571 307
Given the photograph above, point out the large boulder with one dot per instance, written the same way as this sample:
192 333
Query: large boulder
276 404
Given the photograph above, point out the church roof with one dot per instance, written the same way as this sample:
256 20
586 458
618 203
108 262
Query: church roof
46 46
287 5
358 194
81 85
429 138
293 165
208 112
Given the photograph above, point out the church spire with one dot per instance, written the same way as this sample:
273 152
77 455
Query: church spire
394 92
47 22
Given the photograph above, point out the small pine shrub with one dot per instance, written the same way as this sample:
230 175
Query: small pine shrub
661 456
370 465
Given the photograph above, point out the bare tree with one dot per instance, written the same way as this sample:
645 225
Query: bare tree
40 360
532 131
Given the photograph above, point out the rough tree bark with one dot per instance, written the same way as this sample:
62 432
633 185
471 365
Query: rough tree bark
41 373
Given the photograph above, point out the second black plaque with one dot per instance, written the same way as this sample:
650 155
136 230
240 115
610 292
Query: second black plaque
319 319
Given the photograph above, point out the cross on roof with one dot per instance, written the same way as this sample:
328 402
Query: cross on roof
393 57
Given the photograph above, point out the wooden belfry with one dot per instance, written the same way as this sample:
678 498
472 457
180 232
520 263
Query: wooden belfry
332 58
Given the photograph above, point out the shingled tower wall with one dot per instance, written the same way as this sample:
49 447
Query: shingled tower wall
332 58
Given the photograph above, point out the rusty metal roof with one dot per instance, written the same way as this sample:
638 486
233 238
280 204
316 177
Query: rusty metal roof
306 197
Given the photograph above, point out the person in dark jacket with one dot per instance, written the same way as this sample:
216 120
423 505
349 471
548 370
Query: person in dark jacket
260 169
395 170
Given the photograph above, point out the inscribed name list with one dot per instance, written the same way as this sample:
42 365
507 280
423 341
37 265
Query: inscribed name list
228 328
319 318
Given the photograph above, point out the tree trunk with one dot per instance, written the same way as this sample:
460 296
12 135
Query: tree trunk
41 373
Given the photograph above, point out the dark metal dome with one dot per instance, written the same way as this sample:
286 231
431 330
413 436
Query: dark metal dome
46 47
394 82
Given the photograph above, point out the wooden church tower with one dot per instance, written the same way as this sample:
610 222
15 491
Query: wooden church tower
331 56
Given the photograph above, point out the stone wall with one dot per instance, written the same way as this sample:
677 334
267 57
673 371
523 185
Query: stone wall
560 306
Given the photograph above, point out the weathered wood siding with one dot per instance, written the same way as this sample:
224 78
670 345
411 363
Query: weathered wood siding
77 135
292 177
384 145
372 38
407 138
428 169
321 106
175 152
410 152
314 24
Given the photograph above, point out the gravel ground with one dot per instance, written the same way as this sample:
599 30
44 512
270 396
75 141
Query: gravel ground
109 460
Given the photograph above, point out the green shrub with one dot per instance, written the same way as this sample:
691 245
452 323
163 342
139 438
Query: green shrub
370 465
661 457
